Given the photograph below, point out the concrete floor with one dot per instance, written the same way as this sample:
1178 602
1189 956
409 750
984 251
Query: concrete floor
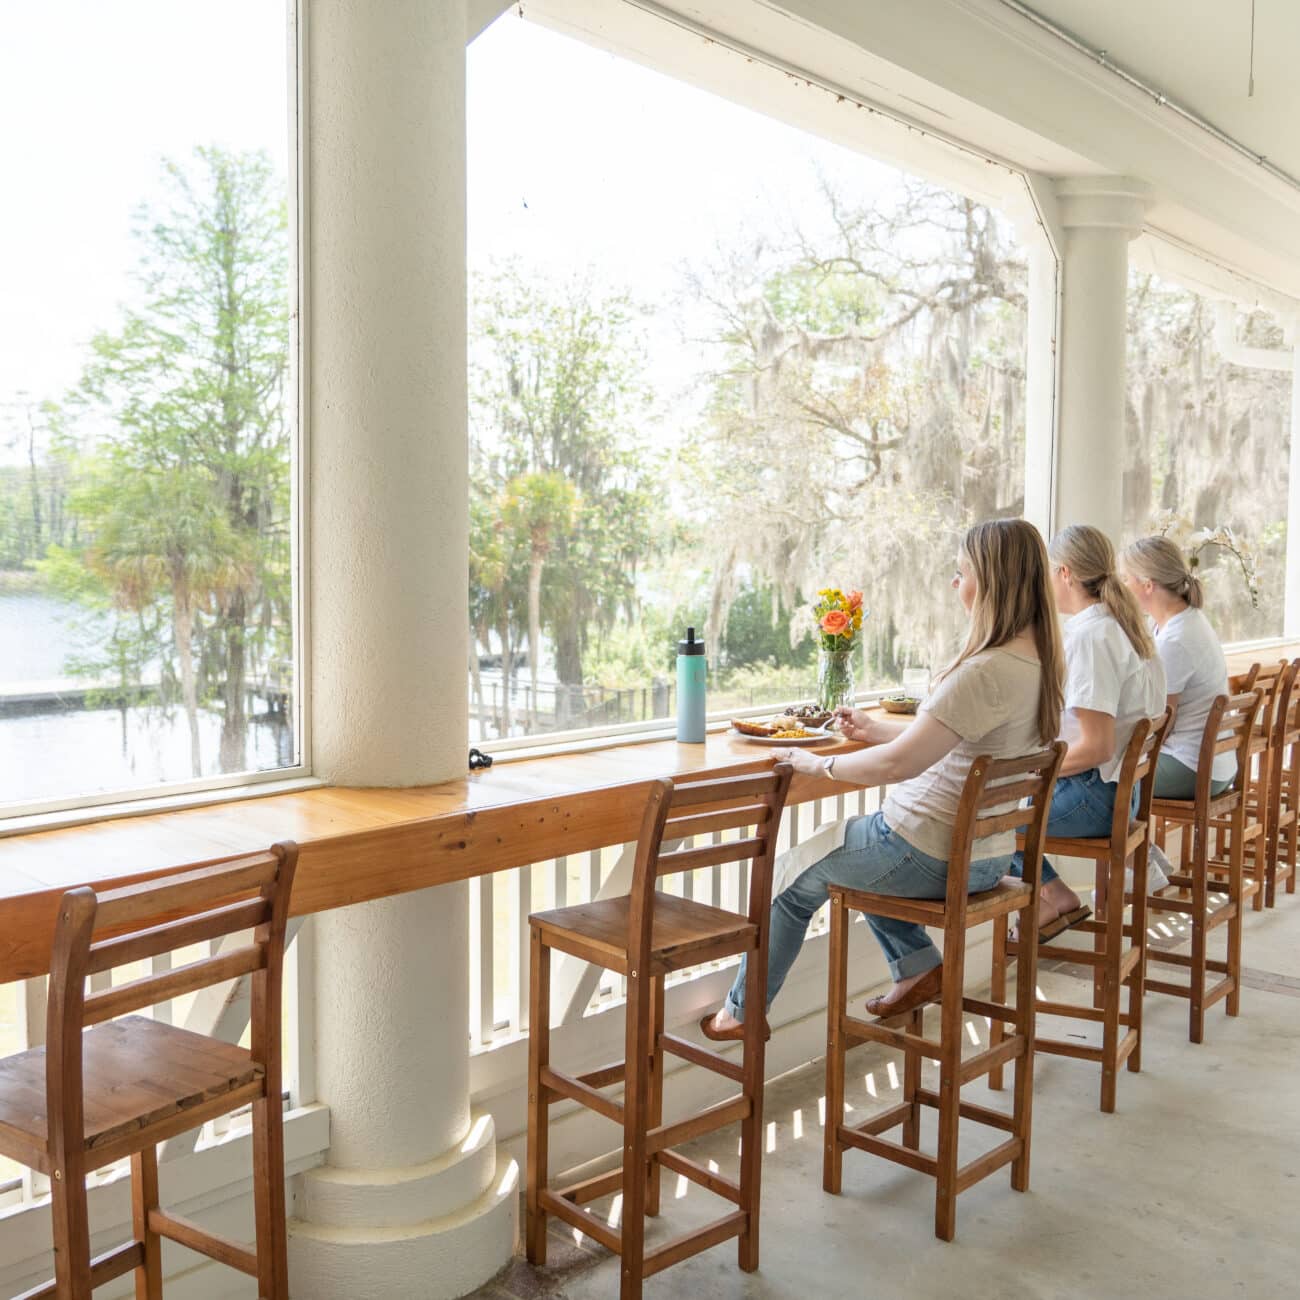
1190 1190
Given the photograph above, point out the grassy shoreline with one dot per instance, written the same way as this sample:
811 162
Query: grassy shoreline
21 580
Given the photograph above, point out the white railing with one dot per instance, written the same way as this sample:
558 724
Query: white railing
500 905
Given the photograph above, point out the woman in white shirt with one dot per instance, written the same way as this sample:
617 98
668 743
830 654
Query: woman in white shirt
1195 670
1000 696
1113 678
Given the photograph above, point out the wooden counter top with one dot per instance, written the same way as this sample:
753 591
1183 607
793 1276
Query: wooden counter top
361 844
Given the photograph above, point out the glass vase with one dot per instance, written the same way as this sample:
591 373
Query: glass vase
834 678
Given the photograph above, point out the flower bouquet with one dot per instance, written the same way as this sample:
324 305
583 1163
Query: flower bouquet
838 616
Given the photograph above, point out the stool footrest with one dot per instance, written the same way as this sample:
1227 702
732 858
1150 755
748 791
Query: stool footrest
692 1243
698 1055
187 1233
603 1077
969 1110
592 1189
1217 965
697 1173
1076 1051
899 1154
989 1010
563 1085
1007 1050
687 1130
865 1031
576 1217
991 1161
103 1269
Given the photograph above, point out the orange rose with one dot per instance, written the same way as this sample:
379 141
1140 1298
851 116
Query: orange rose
855 600
835 622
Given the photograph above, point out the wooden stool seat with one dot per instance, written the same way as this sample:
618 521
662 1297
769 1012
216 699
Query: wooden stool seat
992 903
684 933
1118 951
644 936
983 811
139 1074
108 1085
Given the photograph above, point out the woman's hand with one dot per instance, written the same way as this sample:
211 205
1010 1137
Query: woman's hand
799 759
859 725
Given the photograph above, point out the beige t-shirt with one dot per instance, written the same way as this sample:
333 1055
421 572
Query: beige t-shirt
991 702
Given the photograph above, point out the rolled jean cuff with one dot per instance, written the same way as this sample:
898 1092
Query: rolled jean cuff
916 963
1049 873
734 1009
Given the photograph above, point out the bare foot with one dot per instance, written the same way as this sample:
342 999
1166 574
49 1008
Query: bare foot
724 1020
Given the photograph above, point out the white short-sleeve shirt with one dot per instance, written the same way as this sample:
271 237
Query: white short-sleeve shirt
1196 672
991 702
1103 673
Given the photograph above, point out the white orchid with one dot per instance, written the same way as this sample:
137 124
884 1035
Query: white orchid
1192 541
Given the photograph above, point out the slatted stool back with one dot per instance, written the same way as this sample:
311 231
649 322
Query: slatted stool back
644 936
991 786
1118 952
1229 728
1257 836
86 1100
1284 786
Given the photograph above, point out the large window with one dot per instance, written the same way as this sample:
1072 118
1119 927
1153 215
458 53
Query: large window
716 364
147 413
1209 433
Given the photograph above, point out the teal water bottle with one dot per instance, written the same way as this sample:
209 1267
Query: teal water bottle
691 672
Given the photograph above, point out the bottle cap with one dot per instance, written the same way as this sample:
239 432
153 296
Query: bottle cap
690 646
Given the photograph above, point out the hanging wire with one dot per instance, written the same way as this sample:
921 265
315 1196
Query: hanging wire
1250 89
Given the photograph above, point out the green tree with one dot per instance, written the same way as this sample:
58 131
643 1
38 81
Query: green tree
184 407
540 510
558 397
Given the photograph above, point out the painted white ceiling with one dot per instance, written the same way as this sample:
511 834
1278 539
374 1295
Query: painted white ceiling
1198 53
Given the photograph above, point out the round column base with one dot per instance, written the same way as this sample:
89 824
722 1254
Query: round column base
430 1232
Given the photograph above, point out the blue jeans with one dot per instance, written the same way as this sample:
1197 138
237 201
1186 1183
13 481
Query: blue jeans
873 858
1082 808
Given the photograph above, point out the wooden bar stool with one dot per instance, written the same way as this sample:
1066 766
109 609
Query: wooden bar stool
645 935
1228 728
1267 679
1283 787
1116 964
990 787
86 1100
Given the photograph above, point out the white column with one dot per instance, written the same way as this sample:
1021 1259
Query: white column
1100 215
412 1202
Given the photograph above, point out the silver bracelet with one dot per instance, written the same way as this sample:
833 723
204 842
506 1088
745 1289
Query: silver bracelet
828 767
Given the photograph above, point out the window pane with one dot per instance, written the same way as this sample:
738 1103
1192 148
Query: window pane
717 364
1209 432
146 406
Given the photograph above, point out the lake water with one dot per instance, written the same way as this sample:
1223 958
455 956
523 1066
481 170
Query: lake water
97 751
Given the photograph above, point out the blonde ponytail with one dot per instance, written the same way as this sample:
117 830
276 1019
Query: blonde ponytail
1158 560
1088 554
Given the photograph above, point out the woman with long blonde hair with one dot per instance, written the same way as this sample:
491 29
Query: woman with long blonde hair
1113 679
1169 593
1001 696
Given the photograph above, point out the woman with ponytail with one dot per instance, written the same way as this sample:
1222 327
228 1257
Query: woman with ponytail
1195 670
1001 696
1114 678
